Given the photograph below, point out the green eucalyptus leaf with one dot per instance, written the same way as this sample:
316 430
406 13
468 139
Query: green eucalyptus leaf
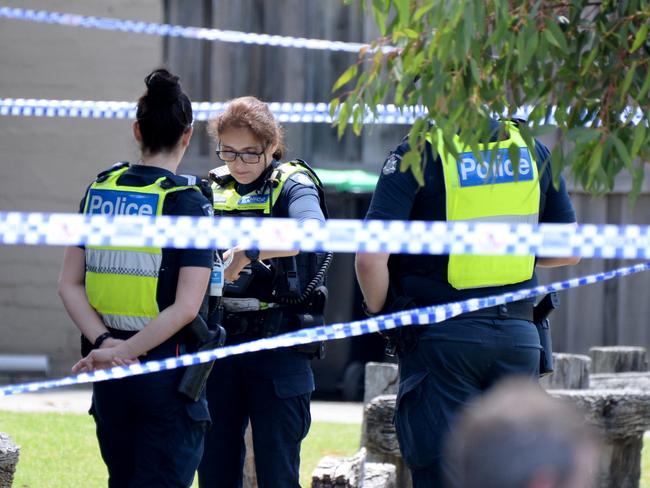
638 140
558 36
412 161
622 151
627 81
344 115
347 75
641 37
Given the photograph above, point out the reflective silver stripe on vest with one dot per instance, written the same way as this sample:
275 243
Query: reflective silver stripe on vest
131 263
508 219
125 322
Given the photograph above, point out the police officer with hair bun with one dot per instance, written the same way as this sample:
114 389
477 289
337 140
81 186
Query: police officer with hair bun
266 293
443 366
133 303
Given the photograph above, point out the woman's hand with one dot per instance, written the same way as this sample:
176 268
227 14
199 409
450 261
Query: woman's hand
105 357
238 263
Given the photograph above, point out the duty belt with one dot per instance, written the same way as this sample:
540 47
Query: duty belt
515 310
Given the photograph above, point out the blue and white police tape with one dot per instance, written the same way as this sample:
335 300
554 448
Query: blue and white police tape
201 33
421 316
285 112
337 235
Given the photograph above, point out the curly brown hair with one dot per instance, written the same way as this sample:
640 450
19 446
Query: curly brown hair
252 114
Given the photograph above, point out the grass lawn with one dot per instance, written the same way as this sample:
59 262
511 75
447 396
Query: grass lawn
60 450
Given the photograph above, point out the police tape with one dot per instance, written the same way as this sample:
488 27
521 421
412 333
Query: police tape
335 235
422 316
284 112
201 33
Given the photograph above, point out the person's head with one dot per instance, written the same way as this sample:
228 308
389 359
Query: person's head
248 138
164 115
517 436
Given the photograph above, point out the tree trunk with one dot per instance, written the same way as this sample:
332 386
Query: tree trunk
571 372
620 381
9 453
333 472
380 475
380 379
622 416
353 472
381 438
618 359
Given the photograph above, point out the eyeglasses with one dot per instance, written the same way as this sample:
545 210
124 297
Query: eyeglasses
245 157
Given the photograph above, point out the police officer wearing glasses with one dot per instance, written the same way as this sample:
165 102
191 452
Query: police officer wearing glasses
442 367
266 293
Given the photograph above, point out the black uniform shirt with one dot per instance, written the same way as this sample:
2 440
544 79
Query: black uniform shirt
398 197
185 202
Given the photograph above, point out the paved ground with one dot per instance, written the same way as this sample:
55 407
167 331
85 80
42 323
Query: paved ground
78 400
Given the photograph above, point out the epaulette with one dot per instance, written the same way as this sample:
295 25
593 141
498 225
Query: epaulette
104 174
220 175
179 180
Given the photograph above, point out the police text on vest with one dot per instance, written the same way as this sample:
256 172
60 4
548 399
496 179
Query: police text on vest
493 170
111 202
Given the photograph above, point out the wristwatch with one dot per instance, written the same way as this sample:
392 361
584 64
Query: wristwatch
252 254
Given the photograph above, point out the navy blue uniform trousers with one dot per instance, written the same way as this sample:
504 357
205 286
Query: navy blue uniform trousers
273 390
453 363
149 435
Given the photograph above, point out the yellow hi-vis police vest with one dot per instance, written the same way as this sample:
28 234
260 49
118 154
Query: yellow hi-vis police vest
490 191
121 283
226 198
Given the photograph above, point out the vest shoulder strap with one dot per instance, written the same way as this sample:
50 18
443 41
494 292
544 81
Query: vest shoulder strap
180 182
301 166
108 171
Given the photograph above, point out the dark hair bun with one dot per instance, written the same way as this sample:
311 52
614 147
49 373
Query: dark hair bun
164 112
162 86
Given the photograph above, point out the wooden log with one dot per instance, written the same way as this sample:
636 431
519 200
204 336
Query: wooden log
571 372
381 379
381 438
618 359
335 472
620 381
379 475
9 453
622 416
250 475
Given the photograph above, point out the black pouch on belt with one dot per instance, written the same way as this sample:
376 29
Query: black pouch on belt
541 313
315 350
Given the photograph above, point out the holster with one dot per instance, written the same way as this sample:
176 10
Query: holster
404 339
315 350
546 354
541 313
195 377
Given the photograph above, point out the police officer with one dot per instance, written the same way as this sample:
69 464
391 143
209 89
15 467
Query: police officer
266 293
443 367
132 303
